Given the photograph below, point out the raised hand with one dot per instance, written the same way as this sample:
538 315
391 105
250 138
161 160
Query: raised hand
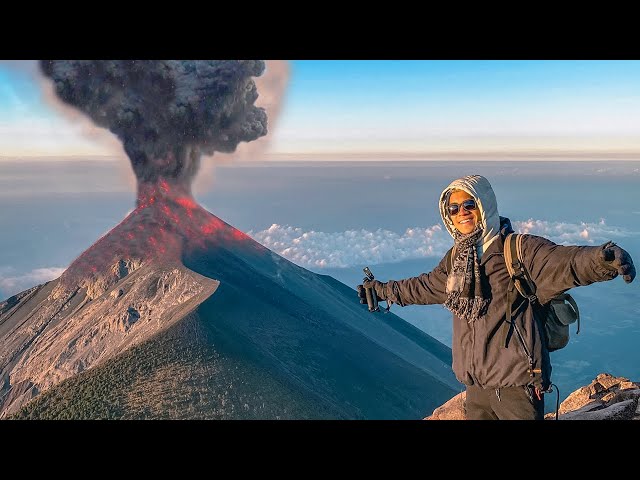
618 259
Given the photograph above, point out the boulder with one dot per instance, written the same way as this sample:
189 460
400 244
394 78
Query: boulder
606 398
453 409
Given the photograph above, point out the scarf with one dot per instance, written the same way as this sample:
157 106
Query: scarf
466 287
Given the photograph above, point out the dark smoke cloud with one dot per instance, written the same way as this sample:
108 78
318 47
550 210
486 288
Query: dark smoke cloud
166 113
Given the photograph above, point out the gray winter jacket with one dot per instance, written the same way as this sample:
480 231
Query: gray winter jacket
480 354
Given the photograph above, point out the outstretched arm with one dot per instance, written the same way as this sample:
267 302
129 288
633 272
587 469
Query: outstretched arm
556 268
425 289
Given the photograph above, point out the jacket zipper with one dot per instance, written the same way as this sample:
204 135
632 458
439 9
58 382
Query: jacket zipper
473 345
524 346
531 370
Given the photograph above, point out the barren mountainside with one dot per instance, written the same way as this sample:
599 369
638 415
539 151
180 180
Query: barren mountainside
255 327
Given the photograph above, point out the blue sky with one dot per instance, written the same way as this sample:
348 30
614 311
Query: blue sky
396 106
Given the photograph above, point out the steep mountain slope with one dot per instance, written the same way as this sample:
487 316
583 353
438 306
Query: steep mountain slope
226 300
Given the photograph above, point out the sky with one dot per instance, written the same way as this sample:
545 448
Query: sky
499 109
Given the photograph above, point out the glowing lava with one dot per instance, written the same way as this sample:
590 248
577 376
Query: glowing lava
166 225
168 114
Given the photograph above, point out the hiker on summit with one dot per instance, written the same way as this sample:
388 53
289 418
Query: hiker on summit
500 348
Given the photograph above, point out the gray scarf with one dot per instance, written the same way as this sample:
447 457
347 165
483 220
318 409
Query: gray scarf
465 285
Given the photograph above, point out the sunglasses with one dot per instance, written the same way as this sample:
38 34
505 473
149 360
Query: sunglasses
468 205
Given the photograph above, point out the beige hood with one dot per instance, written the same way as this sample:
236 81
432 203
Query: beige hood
479 188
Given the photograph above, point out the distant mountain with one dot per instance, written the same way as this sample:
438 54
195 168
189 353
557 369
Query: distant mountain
175 314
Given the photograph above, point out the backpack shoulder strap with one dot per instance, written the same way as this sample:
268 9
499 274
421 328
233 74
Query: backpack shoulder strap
515 265
518 278
509 252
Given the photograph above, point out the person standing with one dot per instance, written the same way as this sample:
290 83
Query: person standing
505 375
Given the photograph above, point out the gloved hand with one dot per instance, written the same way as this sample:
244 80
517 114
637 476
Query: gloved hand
615 258
378 286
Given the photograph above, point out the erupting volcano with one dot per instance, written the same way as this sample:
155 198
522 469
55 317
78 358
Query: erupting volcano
176 314
168 114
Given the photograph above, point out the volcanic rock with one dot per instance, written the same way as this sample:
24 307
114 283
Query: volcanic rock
605 398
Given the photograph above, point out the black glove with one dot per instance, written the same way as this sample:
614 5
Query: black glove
378 286
615 258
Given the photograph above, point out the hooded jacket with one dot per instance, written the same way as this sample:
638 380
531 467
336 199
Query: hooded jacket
480 189
482 354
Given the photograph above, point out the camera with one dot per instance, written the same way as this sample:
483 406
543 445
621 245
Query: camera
370 292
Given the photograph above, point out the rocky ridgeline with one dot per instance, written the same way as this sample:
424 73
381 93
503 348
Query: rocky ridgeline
55 331
605 398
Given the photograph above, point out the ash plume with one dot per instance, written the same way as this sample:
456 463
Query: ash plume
166 113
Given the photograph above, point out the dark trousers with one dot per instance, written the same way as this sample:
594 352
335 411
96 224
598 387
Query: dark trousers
509 403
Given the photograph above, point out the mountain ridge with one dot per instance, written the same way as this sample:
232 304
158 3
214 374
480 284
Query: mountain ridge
169 262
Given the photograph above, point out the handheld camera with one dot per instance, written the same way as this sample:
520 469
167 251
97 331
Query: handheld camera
372 298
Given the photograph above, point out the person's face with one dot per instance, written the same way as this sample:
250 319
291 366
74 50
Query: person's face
464 221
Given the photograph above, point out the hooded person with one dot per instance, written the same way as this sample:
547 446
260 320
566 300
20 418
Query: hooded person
505 375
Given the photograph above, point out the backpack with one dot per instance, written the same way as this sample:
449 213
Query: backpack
556 316
561 311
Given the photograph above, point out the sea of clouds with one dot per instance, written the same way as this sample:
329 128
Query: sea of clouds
316 250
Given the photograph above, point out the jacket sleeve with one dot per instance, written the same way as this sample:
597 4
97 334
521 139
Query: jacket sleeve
556 268
425 289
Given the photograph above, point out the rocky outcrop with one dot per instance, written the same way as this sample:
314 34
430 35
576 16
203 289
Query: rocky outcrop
52 333
454 409
605 398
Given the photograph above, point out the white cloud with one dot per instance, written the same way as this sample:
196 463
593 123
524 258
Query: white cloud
352 247
12 282
317 250
573 233
313 249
